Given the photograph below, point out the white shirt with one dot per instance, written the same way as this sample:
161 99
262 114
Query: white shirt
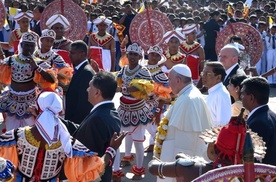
255 110
79 65
228 71
101 103
219 104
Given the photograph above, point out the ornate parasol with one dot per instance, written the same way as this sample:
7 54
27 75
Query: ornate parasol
148 27
251 38
2 14
72 12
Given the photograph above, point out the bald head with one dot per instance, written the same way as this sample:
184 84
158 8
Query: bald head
229 56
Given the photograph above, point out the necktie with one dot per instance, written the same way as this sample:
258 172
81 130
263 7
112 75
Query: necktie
273 42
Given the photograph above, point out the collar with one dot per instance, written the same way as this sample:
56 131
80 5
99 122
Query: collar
185 89
228 71
79 65
101 103
213 88
254 110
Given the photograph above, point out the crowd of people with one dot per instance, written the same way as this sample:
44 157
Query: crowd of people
56 97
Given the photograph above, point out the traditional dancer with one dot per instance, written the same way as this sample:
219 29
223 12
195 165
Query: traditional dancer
105 42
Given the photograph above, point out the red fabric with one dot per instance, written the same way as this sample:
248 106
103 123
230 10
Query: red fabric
15 46
39 164
227 141
127 101
65 55
193 64
96 54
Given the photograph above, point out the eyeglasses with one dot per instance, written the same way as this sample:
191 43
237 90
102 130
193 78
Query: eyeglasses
206 74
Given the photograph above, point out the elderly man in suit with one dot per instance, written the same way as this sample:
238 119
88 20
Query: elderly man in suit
255 96
97 129
229 57
77 107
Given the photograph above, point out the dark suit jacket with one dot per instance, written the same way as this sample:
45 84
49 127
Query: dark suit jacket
77 106
96 131
263 122
237 70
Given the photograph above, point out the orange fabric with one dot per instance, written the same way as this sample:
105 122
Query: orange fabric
38 78
119 82
65 74
5 74
10 153
83 169
162 91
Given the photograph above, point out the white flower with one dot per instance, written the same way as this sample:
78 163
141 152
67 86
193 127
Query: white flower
165 127
162 137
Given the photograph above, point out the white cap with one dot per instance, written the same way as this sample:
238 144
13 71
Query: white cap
182 69
21 15
29 37
189 28
102 19
173 33
58 18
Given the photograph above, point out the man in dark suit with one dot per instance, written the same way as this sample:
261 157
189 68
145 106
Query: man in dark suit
229 57
97 129
255 96
77 106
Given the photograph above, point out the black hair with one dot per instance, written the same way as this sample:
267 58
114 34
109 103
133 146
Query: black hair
106 83
217 68
80 46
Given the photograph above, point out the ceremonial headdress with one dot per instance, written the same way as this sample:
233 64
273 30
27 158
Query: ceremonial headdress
170 34
58 18
135 48
48 33
182 69
189 28
102 19
29 37
21 15
48 123
158 50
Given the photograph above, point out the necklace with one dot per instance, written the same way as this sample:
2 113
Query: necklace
134 70
176 58
59 40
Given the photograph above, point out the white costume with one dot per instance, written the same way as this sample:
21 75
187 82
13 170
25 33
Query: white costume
188 117
219 104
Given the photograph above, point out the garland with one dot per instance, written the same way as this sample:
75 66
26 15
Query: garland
161 135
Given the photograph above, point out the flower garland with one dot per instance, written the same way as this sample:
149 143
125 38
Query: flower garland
161 135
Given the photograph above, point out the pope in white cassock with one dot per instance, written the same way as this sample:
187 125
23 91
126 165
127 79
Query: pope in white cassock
187 117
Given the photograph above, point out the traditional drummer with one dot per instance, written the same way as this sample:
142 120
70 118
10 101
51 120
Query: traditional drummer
193 50
18 72
173 39
23 19
106 42
59 24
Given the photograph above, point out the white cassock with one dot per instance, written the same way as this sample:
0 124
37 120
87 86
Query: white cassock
188 117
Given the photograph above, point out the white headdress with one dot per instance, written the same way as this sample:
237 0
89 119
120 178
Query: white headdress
58 18
21 15
173 33
49 125
158 50
102 19
189 28
135 48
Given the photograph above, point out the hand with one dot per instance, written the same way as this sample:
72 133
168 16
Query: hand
125 41
31 61
157 117
33 110
116 140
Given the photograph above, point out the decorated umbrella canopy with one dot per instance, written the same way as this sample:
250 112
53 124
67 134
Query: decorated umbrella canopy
2 14
72 12
148 27
251 38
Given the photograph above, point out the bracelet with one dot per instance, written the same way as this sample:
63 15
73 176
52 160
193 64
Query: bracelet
160 171
111 151
157 110
39 69
124 90
123 49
